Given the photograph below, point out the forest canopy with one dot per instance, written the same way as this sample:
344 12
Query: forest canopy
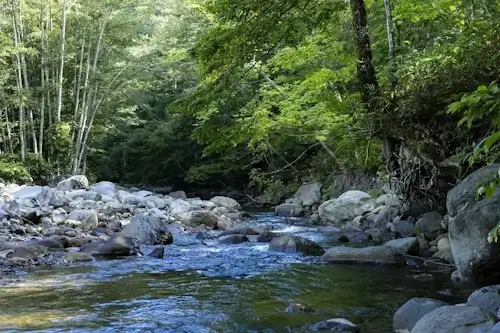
256 95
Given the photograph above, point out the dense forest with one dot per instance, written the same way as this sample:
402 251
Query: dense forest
255 95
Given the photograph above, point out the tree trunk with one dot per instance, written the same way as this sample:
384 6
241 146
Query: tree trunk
19 84
369 87
42 81
61 65
392 52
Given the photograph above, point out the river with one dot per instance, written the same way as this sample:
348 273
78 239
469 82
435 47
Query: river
202 288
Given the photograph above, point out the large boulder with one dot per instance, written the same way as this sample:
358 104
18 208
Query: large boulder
85 218
466 191
116 245
84 195
476 259
454 319
487 298
429 224
178 195
27 192
409 245
289 210
308 194
73 183
196 218
412 311
105 188
292 244
226 202
364 255
147 229
233 239
24 209
346 207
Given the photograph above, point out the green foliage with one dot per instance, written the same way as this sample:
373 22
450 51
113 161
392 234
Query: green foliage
271 189
31 169
14 172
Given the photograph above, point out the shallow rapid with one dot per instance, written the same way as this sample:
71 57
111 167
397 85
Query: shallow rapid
210 287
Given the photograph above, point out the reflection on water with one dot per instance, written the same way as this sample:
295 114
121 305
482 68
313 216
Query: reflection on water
200 288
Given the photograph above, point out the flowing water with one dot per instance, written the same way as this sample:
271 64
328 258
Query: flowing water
209 287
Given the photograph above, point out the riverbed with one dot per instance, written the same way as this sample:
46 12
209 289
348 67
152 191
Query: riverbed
204 286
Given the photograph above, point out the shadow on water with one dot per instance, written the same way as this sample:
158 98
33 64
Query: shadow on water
199 288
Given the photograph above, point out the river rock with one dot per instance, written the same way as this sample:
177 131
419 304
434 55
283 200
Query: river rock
178 195
86 218
429 224
143 193
454 319
292 244
346 207
444 250
266 236
407 245
158 252
59 215
337 325
179 206
196 218
73 183
148 230
27 192
476 259
241 229
105 188
412 311
308 194
289 210
72 257
233 239
487 298
403 228
116 245
466 191
299 308
364 255
24 253
84 195
226 202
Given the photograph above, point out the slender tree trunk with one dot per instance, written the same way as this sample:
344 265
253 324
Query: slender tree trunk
390 39
61 65
77 89
42 81
366 72
19 84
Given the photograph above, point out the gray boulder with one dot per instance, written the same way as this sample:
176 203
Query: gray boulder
158 252
226 202
487 298
241 229
27 192
412 311
106 188
429 224
116 245
308 194
454 319
196 218
73 183
409 245
364 255
292 244
86 218
148 230
178 195
346 207
466 191
84 195
476 259
289 210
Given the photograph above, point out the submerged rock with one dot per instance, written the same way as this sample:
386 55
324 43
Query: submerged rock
158 252
292 244
337 325
233 239
299 308
266 236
